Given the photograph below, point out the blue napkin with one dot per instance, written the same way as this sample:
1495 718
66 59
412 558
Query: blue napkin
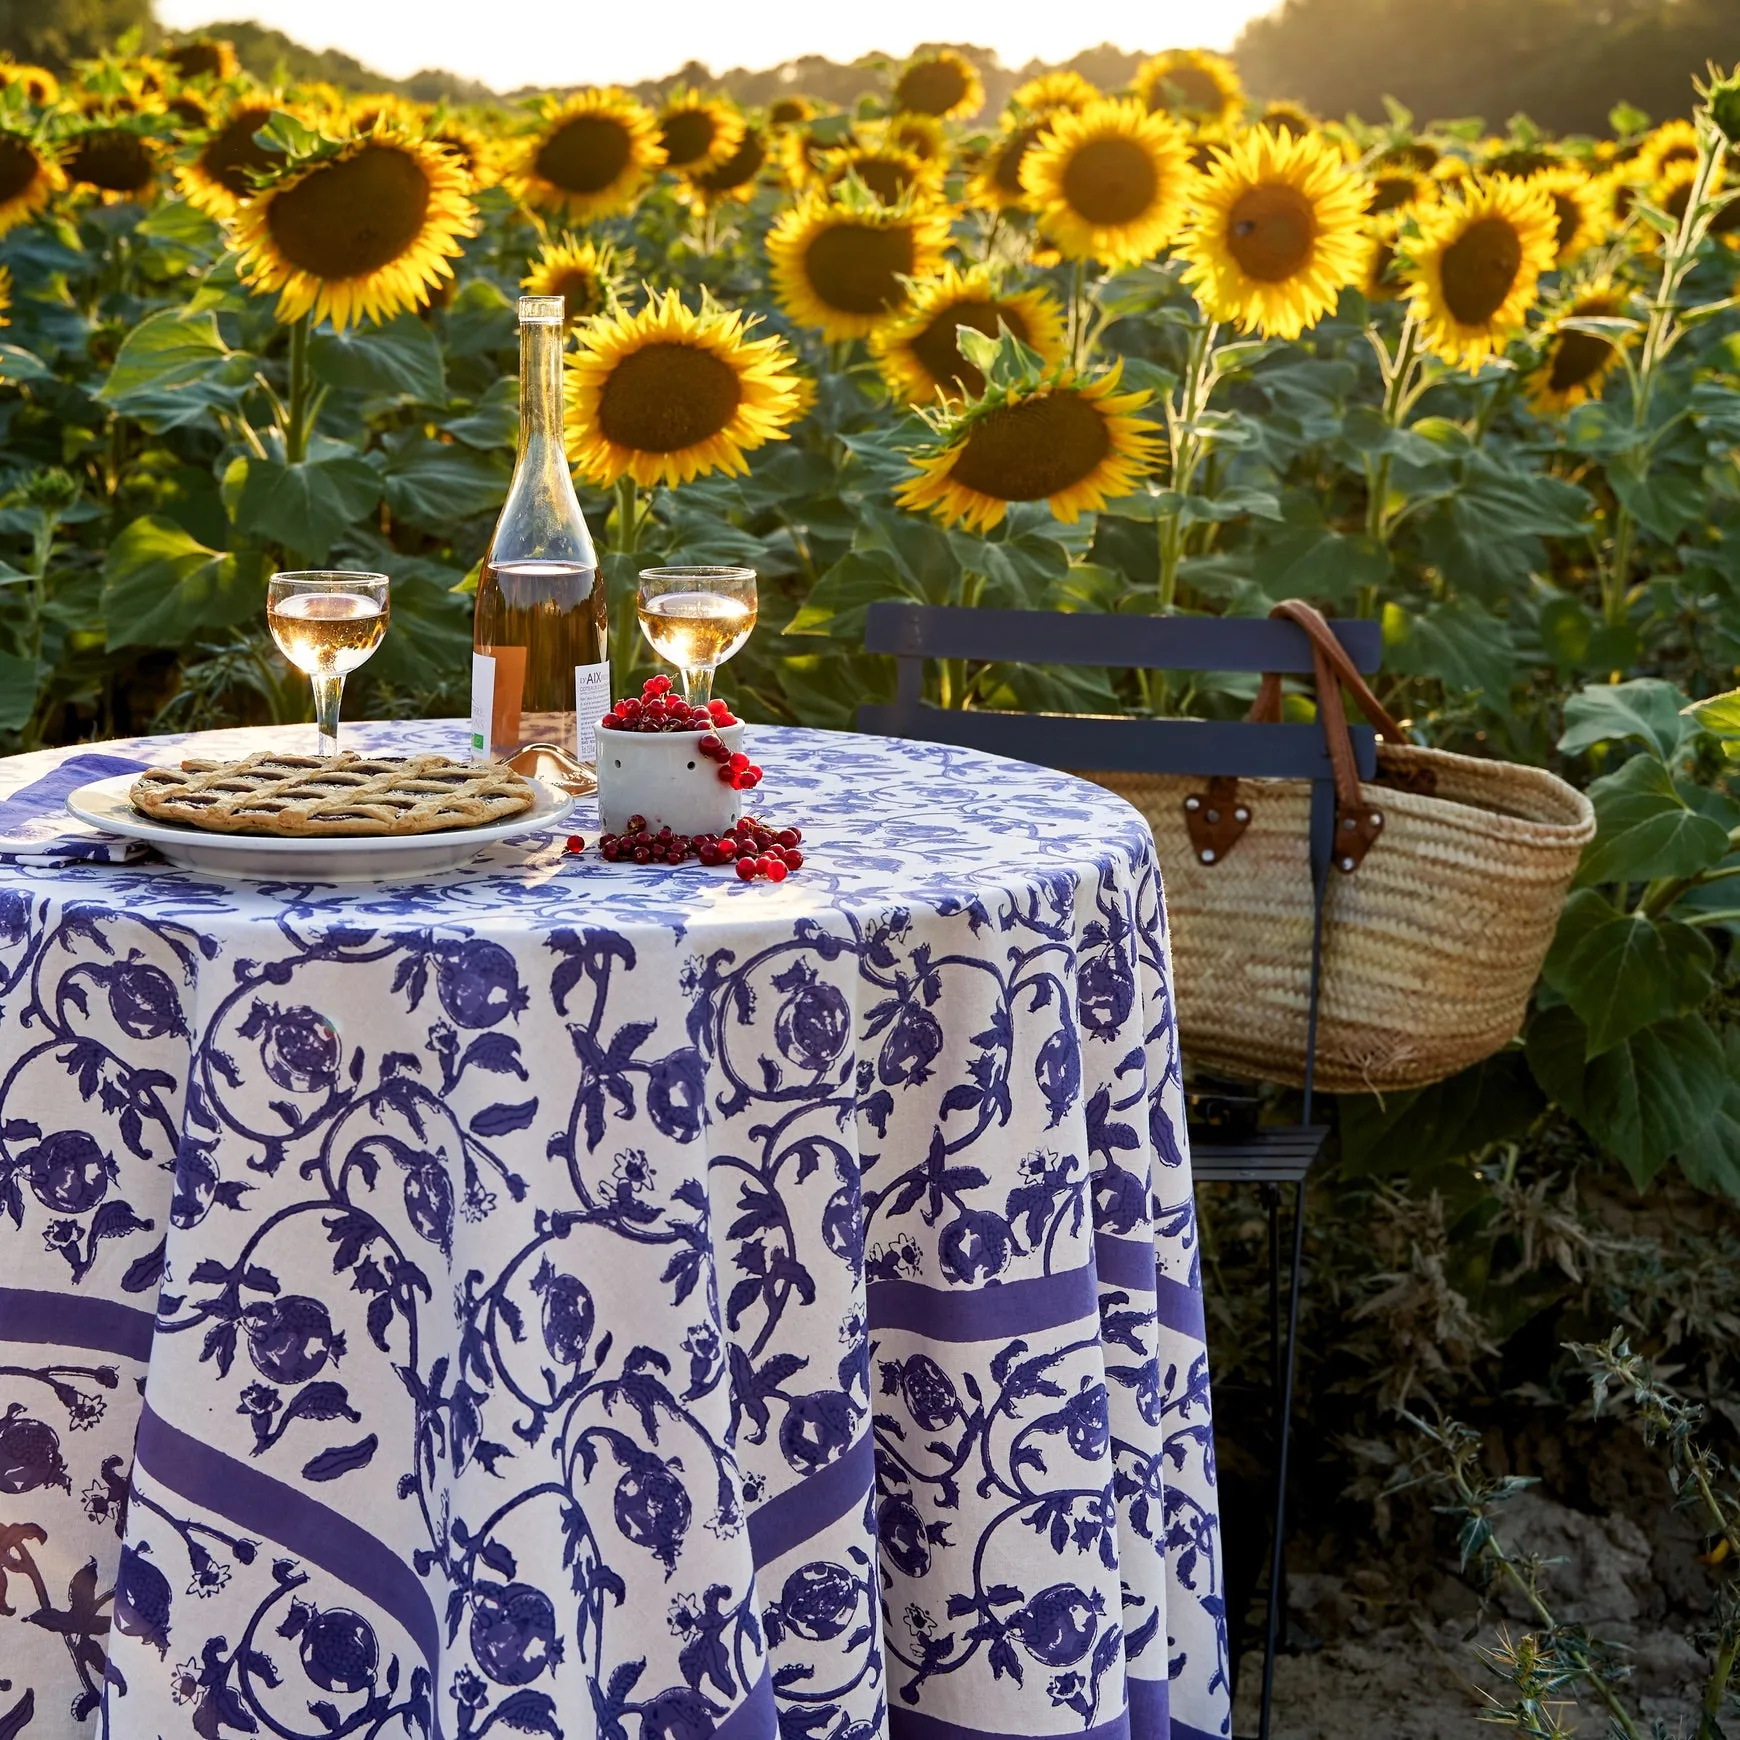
36 829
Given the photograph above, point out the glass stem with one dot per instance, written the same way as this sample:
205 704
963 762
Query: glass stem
328 693
698 685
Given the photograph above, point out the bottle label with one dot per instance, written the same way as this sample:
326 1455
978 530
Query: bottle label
591 703
482 703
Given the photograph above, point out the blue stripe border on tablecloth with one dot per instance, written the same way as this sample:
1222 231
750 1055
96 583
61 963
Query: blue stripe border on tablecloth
1146 1718
73 1320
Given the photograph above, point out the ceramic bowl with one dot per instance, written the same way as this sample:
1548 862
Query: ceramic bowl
663 776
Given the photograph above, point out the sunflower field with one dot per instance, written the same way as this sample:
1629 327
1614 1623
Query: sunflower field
1152 350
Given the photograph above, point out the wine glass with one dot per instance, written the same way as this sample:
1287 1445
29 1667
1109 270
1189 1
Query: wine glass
326 623
695 619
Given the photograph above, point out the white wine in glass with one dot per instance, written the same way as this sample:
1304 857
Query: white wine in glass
696 618
327 623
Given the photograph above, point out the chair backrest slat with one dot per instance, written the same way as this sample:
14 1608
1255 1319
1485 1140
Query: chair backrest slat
1160 643
1112 745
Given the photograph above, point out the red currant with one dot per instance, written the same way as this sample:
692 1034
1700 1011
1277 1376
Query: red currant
794 859
726 776
789 836
575 843
643 854
747 869
738 762
636 825
659 685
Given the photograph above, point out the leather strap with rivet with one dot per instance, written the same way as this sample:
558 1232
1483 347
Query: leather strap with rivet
1217 818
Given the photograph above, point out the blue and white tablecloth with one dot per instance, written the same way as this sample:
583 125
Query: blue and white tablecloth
588 1300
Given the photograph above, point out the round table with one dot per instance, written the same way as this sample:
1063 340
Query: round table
582 1299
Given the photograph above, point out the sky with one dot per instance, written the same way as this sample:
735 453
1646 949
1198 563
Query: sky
561 42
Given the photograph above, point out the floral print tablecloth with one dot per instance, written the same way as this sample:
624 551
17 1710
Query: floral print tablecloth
589 1300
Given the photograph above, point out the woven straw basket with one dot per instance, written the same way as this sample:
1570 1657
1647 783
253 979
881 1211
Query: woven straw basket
1431 945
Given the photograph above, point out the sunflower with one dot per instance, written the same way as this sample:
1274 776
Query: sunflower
1473 270
735 177
1064 440
997 184
222 175
118 161
591 158
1416 155
365 114
1192 83
791 112
40 85
29 178
919 352
203 58
667 394
190 111
1577 208
1377 278
577 271
1671 143
1288 118
944 84
1395 187
1052 91
362 233
698 133
889 172
5 295
1576 364
1520 161
843 266
1111 183
923 135
1274 233
466 144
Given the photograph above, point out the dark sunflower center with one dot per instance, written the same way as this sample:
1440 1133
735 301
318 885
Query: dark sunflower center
1006 165
1110 181
1479 268
1032 450
742 166
788 111
233 155
1577 357
856 268
579 292
1389 191
115 161
352 217
1413 155
688 135
1270 231
1520 162
1675 203
1294 125
584 155
18 168
932 87
1191 88
1570 220
665 397
1677 154
938 346
190 112
196 59
886 177
1383 256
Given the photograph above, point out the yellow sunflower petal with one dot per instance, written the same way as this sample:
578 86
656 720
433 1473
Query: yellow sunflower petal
698 132
667 394
29 179
1274 233
220 175
1575 365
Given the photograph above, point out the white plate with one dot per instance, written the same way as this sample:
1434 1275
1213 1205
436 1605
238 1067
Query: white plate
103 803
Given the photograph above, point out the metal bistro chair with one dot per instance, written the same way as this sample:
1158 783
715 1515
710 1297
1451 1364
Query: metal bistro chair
1270 1156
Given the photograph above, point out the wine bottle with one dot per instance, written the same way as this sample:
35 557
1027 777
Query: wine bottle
540 663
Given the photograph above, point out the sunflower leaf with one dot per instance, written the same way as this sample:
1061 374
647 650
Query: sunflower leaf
161 585
399 360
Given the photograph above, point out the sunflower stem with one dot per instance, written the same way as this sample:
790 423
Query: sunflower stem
1183 412
1399 398
1076 317
296 429
628 515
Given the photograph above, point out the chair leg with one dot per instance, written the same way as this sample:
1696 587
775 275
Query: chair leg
1284 1394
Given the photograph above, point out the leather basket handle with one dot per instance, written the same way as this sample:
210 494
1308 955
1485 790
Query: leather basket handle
1356 824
